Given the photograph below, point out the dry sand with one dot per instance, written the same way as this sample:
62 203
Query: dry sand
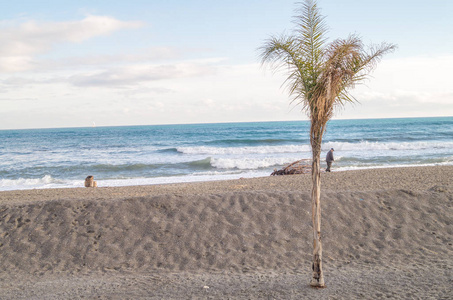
387 234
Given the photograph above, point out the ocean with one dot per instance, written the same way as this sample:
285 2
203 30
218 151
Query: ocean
142 155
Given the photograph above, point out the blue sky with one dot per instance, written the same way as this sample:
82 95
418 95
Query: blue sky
72 63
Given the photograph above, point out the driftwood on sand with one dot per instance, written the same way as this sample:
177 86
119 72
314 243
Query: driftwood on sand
302 166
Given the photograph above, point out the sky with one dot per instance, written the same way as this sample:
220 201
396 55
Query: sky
145 62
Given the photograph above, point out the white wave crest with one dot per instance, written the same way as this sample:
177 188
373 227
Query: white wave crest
26 181
33 183
342 146
368 146
244 150
250 163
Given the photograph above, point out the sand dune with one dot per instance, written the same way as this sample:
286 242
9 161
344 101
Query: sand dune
387 234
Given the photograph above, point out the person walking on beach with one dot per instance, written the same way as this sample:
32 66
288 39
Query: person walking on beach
329 159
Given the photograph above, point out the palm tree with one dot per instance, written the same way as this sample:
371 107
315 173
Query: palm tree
320 77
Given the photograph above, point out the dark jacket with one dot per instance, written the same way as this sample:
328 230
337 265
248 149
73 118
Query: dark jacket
329 156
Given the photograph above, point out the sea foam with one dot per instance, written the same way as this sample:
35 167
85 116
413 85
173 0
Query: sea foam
36 183
244 150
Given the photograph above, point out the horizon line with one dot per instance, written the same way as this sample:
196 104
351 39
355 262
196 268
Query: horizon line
213 123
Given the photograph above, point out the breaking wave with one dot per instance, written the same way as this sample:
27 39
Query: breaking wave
29 183
365 145
244 150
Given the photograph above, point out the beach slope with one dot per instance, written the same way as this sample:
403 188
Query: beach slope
387 234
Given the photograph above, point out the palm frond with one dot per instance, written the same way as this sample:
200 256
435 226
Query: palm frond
347 64
311 34
281 54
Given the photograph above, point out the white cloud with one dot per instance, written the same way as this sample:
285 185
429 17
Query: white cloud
15 63
97 61
19 44
18 99
208 90
137 74
420 80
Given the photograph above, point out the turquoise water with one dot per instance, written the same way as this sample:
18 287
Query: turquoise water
135 155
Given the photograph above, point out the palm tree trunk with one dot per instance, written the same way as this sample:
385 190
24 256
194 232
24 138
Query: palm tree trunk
318 276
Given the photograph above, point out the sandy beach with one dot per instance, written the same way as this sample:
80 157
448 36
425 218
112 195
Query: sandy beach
387 234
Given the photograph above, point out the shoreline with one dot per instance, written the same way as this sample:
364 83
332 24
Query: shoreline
384 232
184 180
410 178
